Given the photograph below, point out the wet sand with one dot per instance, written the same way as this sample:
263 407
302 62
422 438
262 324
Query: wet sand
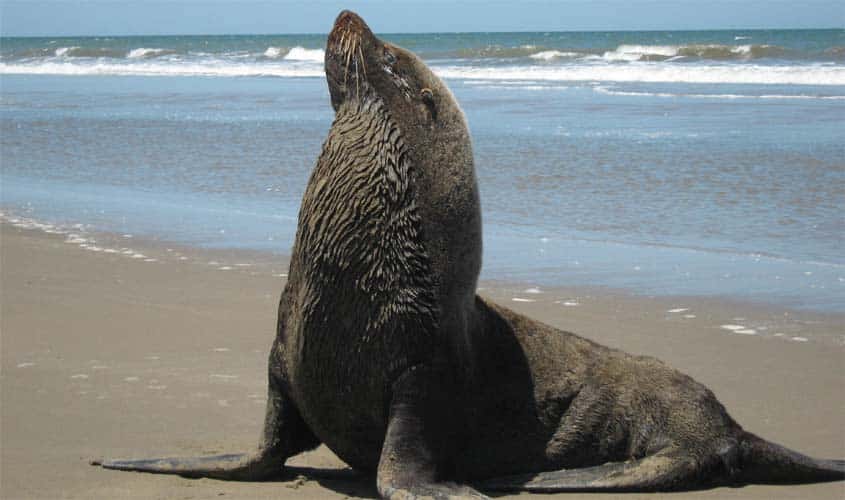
105 354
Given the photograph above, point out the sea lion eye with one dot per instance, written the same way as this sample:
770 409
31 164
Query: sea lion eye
427 97
389 57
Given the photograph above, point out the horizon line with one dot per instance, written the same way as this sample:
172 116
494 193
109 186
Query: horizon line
127 35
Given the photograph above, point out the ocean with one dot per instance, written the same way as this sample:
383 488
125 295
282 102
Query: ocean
698 163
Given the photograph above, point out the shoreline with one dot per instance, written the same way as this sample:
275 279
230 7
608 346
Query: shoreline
107 355
722 315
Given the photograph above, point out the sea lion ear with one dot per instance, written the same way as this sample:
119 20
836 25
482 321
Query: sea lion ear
427 97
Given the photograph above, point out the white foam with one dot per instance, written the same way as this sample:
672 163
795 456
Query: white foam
742 49
301 62
225 268
679 310
221 349
144 52
164 68
732 327
637 52
548 55
689 316
131 379
607 91
303 54
64 51
746 331
76 239
25 365
656 72
569 303
520 299
273 52
800 339
79 376
532 290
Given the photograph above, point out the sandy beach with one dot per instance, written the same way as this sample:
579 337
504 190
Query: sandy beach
162 351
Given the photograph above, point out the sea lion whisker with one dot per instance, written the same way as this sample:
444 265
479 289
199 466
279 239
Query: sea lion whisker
363 63
348 59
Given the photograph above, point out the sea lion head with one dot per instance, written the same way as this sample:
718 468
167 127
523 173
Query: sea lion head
360 66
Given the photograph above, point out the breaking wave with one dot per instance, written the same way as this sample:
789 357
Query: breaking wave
548 55
700 51
273 52
292 67
210 68
607 91
303 54
657 73
141 53
78 52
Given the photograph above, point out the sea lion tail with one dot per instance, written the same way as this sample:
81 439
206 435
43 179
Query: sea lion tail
235 467
764 462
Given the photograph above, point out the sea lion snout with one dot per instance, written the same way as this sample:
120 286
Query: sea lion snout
347 48
348 27
348 20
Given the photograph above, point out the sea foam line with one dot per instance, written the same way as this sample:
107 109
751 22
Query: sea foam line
607 91
301 62
143 52
656 73
164 69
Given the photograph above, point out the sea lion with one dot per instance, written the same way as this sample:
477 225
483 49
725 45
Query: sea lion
384 352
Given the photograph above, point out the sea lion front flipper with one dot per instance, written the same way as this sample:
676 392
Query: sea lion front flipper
285 434
418 439
234 466
663 471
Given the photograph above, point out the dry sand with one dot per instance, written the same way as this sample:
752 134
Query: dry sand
107 354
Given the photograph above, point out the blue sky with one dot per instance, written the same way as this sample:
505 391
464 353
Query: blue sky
124 17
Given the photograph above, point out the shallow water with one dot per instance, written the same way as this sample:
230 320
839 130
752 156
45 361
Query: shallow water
687 187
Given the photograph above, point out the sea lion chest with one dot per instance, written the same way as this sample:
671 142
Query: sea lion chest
363 285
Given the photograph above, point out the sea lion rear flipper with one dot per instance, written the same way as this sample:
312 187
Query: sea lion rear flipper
285 434
662 471
419 439
764 462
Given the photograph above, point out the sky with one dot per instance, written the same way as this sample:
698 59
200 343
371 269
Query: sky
157 17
